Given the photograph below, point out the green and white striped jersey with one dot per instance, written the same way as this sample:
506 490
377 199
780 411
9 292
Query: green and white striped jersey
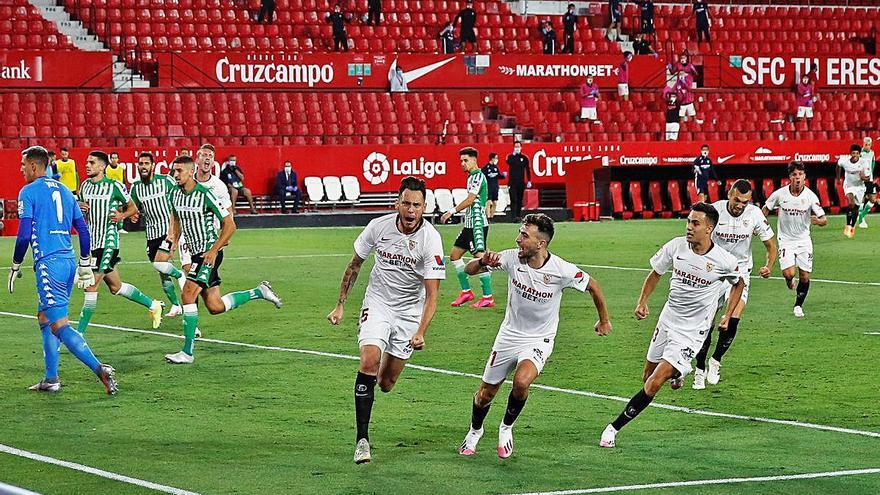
475 214
196 210
103 197
152 200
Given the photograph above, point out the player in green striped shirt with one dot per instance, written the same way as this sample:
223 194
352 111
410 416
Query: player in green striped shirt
870 186
194 209
475 232
106 204
150 195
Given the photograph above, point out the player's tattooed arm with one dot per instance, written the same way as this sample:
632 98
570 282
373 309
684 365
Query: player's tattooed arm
735 295
648 287
482 264
603 326
348 279
772 250
432 290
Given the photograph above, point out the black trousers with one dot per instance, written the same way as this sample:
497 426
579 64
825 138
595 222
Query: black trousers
340 41
267 9
297 196
517 190
647 25
374 14
568 45
703 31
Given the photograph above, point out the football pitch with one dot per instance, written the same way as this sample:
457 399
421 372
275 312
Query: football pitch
268 405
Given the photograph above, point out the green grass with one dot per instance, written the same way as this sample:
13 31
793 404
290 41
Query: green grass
259 421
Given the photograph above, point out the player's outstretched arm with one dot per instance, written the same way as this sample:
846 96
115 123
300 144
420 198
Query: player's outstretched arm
482 264
648 287
772 250
432 290
348 279
603 326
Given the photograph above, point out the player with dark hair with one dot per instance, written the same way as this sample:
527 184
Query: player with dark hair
400 301
150 194
858 172
475 232
524 342
699 272
48 210
492 173
738 222
194 209
106 204
798 209
703 171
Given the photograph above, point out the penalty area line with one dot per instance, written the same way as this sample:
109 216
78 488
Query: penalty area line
95 471
719 481
686 410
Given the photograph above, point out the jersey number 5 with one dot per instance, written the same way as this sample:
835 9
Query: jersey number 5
364 314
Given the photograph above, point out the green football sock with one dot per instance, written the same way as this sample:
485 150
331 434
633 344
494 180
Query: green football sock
88 309
863 211
190 323
134 294
462 276
168 287
486 283
236 299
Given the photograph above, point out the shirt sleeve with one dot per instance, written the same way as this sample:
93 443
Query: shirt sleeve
25 204
773 201
817 209
366 241
661 262
433 264
762 227
474 183
213 205
575 278
120 193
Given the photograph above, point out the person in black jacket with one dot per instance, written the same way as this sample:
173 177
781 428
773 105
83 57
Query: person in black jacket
548 34
701 12
447 38
646 16
267 10
569 23
520 175
286 187
340 36
703 171
492 174
468 19
374 11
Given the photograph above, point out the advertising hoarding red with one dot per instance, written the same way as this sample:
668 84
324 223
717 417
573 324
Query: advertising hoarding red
744 71
55 69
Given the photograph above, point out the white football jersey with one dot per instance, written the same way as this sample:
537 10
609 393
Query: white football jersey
794 212
734 234
403 262
696 282
851 177
534 296
221 192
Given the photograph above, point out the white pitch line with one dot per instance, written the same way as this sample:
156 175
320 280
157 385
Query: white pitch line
872 333
549 388
720 481
97 472
598 267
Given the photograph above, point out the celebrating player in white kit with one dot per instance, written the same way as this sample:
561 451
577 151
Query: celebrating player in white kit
798 209
699 272
525 340
857 171
400 301
738 222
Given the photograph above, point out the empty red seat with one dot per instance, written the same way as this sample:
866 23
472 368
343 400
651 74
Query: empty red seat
618 207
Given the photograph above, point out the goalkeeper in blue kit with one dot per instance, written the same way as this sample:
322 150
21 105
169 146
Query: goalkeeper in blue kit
48 210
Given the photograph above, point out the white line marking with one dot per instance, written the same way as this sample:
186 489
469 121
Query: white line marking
549 388
98 472
872 333
599 267
721 481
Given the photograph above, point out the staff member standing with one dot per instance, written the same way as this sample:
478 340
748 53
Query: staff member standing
66 167
520 178
569 23
701 12
492 174
703 171
340 35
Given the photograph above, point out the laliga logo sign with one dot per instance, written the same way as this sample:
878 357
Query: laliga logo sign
377 167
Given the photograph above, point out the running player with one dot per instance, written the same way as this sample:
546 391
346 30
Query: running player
474 233
106 204
150 195
870 185
699 273
738 222
525 339
47 211
798 209
400 301
194 209
857 173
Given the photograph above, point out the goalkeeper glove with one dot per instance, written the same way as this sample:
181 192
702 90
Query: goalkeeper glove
84 276
14 273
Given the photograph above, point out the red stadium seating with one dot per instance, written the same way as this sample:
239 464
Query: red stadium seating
825 197
618 208
635 194
675 197
656 192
